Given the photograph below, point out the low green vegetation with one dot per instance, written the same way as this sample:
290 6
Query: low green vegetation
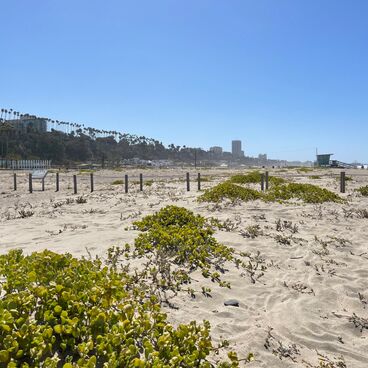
315 177
148 183
304 169
363 191
117 182
254 177
177 242
229 191
59 311
86 171
305 192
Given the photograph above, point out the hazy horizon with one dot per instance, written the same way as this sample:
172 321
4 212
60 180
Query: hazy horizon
283 78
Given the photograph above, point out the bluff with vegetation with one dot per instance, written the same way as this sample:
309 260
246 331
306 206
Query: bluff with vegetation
64 148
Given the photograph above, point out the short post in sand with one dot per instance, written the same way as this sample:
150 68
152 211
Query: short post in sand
262 182
188 183
342 182
43 184
126 183
75 184
199 181
92 184
30 182
15 181
141 182
57 182
266 179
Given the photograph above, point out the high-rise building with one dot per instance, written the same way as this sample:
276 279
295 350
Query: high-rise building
236 149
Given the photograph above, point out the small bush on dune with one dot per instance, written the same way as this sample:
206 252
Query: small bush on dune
117 182
170 216
176 242
86 171
250 178
229 191
178 236
307 193
363 191
254 177
305 169
59 311
81 200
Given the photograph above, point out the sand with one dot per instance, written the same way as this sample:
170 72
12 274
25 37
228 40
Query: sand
300 310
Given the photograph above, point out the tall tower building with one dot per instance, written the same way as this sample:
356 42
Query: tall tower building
236 149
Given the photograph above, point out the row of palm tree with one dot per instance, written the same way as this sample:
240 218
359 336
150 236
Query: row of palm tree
77 128
80 140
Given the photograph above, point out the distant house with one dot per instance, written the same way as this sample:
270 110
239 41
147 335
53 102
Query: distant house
216 150
28 123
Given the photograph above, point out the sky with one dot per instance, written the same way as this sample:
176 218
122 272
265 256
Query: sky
285 77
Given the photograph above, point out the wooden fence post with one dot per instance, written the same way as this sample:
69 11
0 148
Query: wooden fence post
30 183
342 182
75 184
141 182
57 182
126 183
188 182
199 181
262 182
266 179
43 184
15 181
92 184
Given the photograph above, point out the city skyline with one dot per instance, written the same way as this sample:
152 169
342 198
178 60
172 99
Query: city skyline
285 78
14 117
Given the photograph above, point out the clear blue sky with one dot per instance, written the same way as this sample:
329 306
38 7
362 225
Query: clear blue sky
283 76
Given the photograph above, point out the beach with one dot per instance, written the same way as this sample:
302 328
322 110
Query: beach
305 302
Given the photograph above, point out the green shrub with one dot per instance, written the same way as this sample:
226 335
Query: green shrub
229 191
117 182
170 216
305 169
176 243
59 311
347 178
315 177
363 191
177 236
206 179
305 192
255 177
86 171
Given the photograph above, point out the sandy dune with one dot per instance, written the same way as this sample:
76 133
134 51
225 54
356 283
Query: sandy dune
312 300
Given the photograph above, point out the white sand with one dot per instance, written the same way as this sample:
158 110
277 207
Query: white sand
308 292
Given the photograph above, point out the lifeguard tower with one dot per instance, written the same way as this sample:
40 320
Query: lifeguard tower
324 160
